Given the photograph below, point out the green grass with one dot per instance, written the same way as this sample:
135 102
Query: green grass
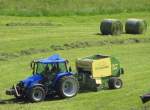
18 34
61 31
70 7
136 80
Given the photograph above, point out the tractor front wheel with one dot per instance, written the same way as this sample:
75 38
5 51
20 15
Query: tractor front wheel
115 83
37 94
68 87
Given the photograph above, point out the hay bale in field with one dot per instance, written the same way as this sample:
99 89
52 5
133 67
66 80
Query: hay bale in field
135 26
111 27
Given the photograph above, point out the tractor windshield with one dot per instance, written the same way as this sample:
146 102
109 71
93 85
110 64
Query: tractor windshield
43 69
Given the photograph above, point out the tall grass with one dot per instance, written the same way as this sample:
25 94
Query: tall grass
70 7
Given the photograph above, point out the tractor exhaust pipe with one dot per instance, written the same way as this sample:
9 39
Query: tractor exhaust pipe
145 98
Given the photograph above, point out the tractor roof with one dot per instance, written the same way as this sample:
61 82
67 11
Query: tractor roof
52 59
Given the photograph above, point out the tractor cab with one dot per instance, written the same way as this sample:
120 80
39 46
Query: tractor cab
49 67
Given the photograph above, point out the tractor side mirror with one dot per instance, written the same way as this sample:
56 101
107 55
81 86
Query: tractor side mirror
32 64
70 70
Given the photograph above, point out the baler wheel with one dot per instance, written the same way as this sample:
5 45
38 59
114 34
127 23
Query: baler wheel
115 83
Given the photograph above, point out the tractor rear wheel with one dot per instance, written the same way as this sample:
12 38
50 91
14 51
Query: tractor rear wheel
68 87
37 94
115 83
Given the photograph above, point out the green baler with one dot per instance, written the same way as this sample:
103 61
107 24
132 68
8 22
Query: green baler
99 71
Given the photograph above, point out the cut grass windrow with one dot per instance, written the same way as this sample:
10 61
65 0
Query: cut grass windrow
83 44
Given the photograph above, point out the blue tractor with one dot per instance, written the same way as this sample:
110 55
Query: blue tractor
50 76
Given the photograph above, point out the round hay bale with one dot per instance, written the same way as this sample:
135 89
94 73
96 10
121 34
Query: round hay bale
135 26
111 27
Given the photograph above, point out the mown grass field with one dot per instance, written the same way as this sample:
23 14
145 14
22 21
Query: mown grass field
25 38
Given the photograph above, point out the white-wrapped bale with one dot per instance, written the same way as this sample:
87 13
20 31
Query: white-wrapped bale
135 26
111 27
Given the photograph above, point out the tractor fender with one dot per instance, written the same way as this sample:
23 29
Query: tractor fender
59 76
